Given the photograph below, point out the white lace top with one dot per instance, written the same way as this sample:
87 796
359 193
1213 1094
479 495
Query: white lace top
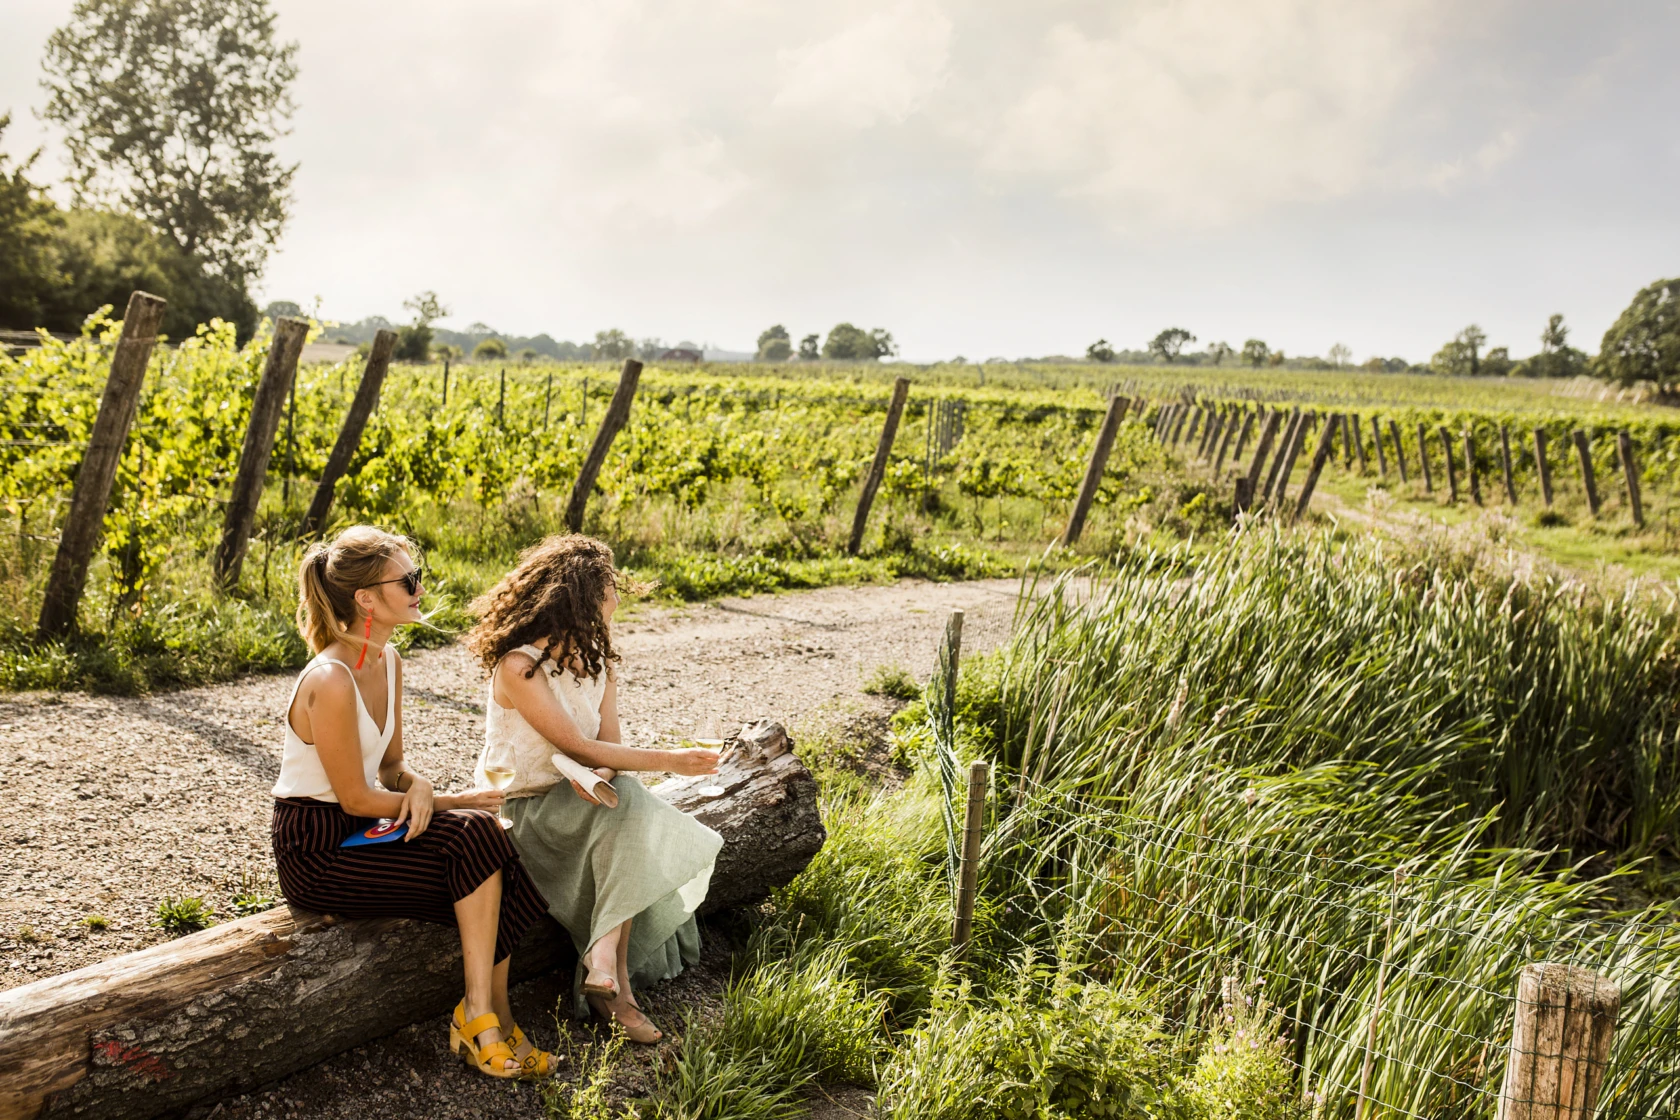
535 773
301 772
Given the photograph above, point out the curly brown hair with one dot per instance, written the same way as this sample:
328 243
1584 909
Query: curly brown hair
552 599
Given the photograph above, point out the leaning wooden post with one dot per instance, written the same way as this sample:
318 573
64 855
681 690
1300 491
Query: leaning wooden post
1347 445
1284 461
548 394
92 492
1242 437
1505 462
1358 444
1320 457
1560 1043
1399 450
1178 423
1291 450
1268 433
1540 465
1452 472
350 435
1094 469
446 382
266 405
1584 453
1376 441
1224 446
1195 422
968 879
1423 459
1630 476
618 414
1470 471
878 469
501 402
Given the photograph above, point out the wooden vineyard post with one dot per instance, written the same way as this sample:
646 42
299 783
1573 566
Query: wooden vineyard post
1160 421
1268 433
1399 450
1178 423
1452 472
1265 493
1560 1043
98 471
1242 437
1195 422
1543 468
1216 424
1470 472
350 435
446 382
548 394
1094 469
1376 441
1630 476
1347 445
1291 451
501 403
618 414
1224 446
1320 457
278 373
878 468
968 878
1584 453
1505 462
1358 443
1423 459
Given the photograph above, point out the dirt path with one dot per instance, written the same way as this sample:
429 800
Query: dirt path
117 803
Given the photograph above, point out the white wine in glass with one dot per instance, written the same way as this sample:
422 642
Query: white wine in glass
500 777
708 735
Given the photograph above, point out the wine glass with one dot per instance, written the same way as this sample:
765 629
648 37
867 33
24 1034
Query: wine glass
706 734
499 772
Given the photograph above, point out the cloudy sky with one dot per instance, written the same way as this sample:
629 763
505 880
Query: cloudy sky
982 178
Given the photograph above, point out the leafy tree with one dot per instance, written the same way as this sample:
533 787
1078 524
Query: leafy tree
1643 344
810 348
774 345
446 352
1556 358
28 224
282 308
1170 342
613 346
1340 355
1497 362
1218 352
414 342
172 109
1100 351
1461 357
846 343
1275 358
527 355
1255 352
1555 337
490 349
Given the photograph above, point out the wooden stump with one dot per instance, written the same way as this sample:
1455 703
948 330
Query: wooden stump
239 1005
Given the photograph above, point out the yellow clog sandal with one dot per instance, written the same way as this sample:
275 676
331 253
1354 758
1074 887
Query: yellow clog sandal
493 1058
537 1064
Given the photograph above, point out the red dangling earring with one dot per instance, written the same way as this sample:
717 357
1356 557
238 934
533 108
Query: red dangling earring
367 634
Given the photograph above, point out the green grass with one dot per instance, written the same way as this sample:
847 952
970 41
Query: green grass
179 916
892 681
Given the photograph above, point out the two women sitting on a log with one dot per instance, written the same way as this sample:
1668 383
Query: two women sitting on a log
623 881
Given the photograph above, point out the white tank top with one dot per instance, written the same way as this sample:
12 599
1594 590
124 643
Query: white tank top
301 772
534 772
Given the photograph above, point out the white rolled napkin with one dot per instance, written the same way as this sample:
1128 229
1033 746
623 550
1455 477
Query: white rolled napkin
598 787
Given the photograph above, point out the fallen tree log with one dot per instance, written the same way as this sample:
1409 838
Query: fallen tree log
239 1005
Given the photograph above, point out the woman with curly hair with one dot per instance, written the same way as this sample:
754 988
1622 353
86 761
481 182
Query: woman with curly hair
623 880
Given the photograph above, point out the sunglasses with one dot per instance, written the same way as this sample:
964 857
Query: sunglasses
411 580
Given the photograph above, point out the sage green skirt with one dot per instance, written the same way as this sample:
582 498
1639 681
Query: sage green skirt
598 867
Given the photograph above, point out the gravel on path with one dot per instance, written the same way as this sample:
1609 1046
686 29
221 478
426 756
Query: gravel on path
119 802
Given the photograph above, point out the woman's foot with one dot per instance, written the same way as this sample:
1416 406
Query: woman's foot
600 971
626 1014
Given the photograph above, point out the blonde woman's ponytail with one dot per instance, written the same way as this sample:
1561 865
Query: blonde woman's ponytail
332 573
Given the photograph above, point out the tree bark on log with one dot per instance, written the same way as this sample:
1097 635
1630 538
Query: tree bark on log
243 1004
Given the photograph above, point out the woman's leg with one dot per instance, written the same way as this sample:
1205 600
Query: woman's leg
623 1007
477 915
602 958
623 964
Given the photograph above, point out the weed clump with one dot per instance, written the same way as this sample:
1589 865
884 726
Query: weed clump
184 915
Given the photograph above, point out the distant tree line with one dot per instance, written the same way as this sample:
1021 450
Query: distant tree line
845 343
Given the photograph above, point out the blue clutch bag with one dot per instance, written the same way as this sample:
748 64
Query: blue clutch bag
382 833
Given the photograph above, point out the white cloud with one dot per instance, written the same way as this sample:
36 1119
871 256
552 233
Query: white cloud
879 68
1198 112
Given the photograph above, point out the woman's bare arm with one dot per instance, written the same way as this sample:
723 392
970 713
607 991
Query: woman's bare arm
325 708
533 699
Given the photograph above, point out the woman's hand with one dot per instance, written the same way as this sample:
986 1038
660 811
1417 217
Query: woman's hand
489 800
417 807
693 760
606 773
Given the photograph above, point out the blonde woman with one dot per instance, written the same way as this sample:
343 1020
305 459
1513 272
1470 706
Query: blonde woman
624 880
343 770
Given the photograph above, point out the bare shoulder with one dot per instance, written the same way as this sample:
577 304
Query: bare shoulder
327 684
518 662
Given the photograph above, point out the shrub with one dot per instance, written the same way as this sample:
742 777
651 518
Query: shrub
892 681
1244 1072
184 915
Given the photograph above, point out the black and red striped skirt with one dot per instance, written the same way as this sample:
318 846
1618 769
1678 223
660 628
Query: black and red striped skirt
421 878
